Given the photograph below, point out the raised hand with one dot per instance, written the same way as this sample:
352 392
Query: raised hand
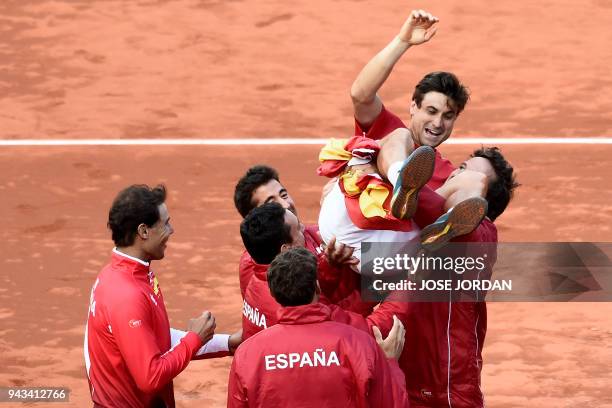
418 28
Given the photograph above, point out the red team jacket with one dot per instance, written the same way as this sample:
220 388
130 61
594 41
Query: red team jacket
339 286
443 360
336 283
260 309
306 360
442 363
127 339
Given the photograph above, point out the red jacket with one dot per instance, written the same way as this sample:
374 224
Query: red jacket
127 339
260 309
444 361
339 286
381 317
336 283
306 360
442 358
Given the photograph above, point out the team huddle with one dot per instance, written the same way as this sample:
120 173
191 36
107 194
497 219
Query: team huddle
308 337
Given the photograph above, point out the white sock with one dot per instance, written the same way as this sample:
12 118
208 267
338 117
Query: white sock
393 172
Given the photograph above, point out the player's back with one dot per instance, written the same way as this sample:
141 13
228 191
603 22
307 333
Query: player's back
306 360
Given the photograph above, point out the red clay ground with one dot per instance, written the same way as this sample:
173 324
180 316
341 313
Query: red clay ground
214 68
118 69
55 242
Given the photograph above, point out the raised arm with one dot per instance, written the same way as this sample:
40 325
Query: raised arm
418 28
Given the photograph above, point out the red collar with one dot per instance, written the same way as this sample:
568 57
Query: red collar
128 264
312 239
305 314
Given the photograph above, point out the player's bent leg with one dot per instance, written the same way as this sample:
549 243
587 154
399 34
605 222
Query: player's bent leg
414 173
395 147
459 220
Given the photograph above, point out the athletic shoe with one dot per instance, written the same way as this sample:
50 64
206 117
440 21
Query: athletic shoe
415 173
459 220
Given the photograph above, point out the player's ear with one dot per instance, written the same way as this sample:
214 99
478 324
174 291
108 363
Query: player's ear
413 108
143 231
285 247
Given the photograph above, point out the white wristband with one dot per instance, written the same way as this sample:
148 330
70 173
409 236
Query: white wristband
219 342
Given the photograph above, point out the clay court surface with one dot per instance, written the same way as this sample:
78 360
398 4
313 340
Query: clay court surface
257 69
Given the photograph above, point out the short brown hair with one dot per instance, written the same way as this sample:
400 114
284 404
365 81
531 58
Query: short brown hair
135 205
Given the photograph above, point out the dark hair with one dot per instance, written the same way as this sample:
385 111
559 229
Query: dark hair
135 205
243 193
500 191
264 231
292 277
445 83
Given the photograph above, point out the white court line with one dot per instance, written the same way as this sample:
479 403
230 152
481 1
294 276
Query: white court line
288 141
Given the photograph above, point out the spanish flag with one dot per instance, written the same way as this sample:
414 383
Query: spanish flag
367 196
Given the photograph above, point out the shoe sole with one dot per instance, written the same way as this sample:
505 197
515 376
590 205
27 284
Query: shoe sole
461 220
413 175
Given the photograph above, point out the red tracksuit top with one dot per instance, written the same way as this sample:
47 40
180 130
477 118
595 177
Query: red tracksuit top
442 358
127 339
260 309
337 283
306 360
339 286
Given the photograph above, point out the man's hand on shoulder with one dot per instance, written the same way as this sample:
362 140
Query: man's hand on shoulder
394 343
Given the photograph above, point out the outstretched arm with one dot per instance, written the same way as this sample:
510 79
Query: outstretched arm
417 29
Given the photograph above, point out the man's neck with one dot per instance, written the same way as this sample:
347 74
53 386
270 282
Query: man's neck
412 133
134 252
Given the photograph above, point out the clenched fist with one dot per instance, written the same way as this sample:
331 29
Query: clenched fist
204 326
